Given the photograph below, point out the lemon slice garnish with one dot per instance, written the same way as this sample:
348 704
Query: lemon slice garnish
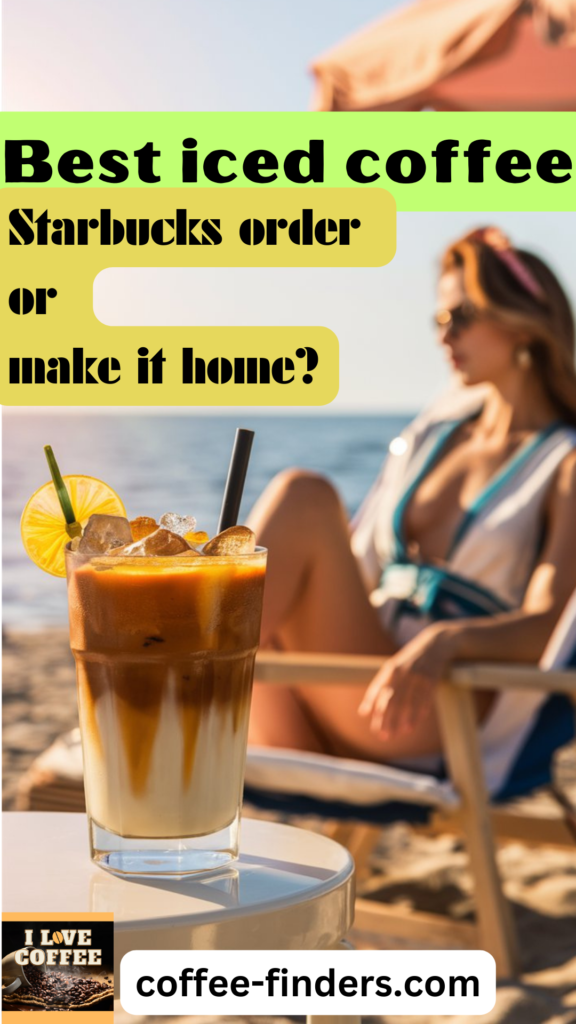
43 526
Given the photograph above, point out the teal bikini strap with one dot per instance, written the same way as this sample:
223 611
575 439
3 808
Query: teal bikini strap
509 470
439 438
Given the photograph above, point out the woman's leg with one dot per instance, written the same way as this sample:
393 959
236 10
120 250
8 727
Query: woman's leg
315 600
313 584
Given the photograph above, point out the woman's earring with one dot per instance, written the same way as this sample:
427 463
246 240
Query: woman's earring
524 358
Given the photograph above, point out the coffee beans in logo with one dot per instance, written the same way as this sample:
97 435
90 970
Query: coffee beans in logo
57 937
63 990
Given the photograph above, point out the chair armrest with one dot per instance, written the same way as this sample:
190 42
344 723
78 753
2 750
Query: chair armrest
289 669
487 676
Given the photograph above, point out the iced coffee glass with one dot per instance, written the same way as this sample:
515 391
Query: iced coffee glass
164 650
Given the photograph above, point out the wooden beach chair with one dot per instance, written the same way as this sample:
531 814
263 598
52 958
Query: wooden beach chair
358 798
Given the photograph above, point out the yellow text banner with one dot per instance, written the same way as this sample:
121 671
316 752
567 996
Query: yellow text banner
57 352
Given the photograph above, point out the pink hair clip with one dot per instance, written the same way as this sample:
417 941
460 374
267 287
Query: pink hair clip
503 249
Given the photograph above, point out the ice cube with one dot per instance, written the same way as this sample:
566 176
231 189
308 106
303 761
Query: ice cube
142 526
196 539
161 542
236 540
178 524
104 533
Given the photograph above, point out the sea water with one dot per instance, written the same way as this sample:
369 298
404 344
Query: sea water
146 457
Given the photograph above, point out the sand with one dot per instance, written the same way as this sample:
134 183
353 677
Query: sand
39 703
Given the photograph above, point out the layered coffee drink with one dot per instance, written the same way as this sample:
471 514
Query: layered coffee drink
164 649
164 627
164 634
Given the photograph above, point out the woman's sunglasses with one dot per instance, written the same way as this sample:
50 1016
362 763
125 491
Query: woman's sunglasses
457 319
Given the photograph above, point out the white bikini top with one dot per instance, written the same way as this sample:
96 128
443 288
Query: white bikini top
498 543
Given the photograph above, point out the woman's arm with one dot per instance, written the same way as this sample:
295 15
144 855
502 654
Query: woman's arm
403 690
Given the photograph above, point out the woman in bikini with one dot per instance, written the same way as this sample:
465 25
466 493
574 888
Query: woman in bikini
465 547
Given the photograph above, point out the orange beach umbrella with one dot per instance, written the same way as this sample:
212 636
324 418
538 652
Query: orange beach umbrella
456 55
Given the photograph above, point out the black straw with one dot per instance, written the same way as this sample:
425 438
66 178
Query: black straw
236 476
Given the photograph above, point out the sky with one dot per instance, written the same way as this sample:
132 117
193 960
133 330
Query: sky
171 54
253 55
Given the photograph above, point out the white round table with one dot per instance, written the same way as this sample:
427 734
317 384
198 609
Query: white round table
290 889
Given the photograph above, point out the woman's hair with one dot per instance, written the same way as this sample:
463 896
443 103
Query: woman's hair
519 289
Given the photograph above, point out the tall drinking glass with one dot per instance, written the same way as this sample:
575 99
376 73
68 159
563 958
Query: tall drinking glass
164 650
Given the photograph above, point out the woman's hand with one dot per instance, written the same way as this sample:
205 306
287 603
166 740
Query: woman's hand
403 690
